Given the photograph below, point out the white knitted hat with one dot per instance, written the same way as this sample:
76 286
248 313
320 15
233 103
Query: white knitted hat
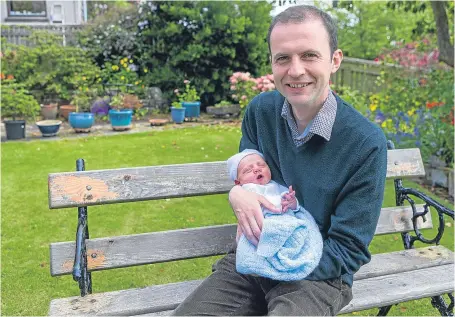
233 161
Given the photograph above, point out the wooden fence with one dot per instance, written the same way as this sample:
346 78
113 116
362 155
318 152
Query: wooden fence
359 74
18 34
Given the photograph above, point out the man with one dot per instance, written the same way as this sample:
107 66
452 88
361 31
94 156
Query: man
334 158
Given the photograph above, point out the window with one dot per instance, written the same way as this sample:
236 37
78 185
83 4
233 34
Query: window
26 9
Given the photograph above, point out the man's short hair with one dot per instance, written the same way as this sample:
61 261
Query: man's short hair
302 13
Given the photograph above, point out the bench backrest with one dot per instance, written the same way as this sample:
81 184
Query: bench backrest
101 187
158 182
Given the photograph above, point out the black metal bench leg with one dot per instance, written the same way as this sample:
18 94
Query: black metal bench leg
383 311
80 271
440 304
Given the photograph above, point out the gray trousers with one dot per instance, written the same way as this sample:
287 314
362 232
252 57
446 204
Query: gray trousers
228 293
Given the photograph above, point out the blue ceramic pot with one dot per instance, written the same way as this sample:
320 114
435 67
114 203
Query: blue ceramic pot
49 127
81 121
121 119
178 114
193 109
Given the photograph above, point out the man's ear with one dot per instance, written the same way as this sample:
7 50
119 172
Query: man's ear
236 182
336 60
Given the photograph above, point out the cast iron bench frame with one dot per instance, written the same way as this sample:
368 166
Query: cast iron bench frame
410 274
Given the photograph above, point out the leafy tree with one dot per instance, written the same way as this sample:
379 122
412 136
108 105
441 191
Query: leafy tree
367 27
440 23
203 41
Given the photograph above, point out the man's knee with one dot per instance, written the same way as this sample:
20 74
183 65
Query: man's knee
308 298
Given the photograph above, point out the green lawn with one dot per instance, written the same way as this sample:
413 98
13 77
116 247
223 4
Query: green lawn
28 226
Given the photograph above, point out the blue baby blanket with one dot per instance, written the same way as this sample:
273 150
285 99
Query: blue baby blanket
289 248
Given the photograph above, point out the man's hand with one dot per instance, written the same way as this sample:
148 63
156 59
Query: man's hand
288 201
247 209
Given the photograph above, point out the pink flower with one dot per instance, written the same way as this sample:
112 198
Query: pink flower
234 96
186 81
232 87
176 91
243 97
233 81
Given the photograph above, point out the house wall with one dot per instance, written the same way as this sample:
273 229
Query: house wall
72 14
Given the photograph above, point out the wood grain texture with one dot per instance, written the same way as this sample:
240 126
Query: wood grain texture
367 293
404 163
147 248
167 181
137 184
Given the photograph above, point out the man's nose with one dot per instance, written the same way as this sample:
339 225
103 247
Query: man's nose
296 68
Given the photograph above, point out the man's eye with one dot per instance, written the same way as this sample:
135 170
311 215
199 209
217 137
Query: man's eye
310 55
281 58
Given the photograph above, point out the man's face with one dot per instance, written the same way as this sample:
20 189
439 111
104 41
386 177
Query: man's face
302 63
253 169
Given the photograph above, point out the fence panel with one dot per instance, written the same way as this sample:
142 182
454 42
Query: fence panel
18 34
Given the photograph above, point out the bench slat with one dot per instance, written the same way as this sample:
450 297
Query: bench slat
181 180
367 293
155 247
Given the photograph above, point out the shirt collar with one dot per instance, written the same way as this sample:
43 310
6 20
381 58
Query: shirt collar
322 123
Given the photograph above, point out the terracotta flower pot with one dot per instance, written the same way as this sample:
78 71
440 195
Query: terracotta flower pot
65 111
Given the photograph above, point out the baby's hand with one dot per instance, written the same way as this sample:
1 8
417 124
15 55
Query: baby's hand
288 201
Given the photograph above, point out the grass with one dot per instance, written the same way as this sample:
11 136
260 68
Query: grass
28 226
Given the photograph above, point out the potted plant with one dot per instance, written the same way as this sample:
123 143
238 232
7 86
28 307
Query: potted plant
82 119
177 112
223 109
189 99
17 105
121 112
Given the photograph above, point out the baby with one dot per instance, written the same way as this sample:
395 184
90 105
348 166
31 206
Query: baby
290 245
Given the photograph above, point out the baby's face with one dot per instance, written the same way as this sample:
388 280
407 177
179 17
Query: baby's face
253 169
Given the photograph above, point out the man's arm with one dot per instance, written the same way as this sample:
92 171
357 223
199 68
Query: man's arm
355 218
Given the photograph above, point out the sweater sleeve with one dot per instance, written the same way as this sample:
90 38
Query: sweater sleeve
356 214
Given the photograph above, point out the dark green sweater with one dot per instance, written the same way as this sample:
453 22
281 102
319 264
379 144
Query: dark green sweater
340 182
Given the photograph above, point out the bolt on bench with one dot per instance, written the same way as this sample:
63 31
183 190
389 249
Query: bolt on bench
389 278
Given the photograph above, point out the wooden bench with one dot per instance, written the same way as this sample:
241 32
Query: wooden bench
388 279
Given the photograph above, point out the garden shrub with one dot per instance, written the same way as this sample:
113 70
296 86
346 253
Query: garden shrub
169 42
49 69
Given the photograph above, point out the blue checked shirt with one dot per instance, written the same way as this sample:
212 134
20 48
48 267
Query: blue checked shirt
321 125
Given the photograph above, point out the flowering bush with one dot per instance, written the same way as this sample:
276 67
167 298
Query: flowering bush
246 87
415 54
124 73
415 101
417 114
190 94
